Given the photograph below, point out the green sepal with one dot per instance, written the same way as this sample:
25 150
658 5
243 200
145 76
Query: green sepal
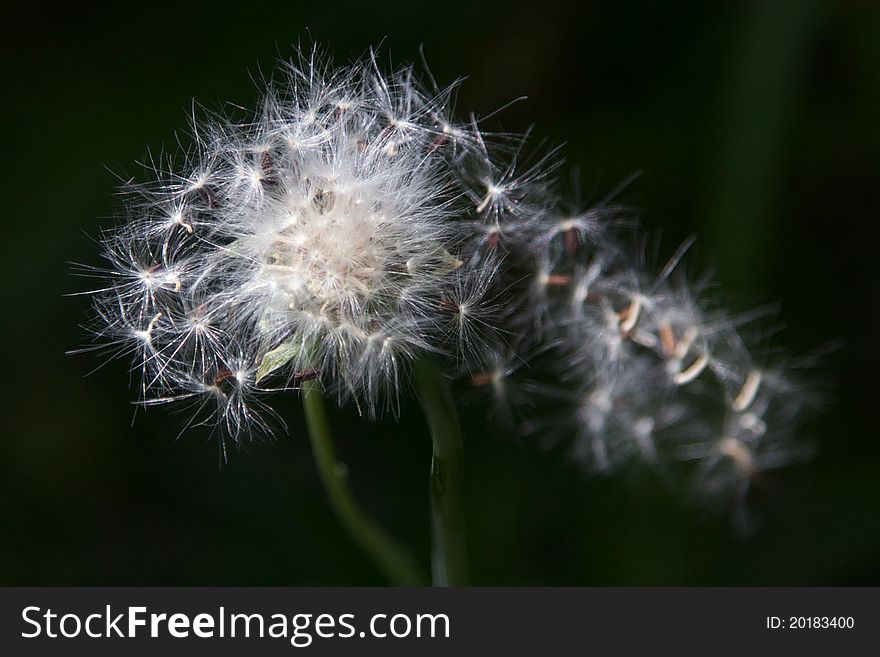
278 357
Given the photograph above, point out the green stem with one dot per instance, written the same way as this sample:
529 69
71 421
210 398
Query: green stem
449 558
393 560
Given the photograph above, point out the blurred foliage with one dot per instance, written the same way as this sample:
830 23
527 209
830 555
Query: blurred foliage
755 126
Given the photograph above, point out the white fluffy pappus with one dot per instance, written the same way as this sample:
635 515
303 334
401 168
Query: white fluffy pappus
641 365
332 236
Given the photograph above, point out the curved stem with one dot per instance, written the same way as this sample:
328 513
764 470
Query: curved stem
449 558
395 563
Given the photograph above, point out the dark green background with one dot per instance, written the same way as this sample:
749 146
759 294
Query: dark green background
756 127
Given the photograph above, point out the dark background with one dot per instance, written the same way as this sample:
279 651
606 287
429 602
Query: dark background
756 127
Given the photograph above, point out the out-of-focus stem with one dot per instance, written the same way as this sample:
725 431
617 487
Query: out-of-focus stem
449 558
397 565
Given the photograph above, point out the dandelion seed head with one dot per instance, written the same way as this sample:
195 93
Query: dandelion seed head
329 233
351 225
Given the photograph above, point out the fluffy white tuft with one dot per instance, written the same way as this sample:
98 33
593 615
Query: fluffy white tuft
332 236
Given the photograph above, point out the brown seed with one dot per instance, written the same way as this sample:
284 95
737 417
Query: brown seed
481 379
558 280
667 339
572 241
306 375
438 141
222 375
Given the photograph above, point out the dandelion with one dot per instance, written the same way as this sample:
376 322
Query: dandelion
326 237
352 234
645 368
325 244
627 363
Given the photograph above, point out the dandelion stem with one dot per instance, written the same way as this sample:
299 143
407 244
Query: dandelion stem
398 566
449 558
